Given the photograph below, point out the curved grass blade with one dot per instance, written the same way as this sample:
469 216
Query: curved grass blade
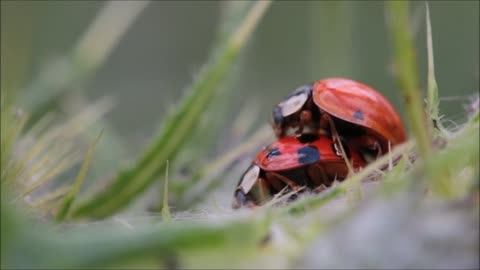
132 181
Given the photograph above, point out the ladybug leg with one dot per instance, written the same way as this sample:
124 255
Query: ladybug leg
275 183
327 121
318 175
368 142
264 189
376 147
324 124
294 186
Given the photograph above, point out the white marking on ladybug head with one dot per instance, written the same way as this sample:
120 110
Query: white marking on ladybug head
249 178
293 104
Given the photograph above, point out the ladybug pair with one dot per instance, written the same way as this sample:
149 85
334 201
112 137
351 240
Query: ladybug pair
314 125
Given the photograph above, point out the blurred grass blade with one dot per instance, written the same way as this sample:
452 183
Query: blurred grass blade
165 209
112 22
70 197
94 248
11 126
110 25
176 130
60 75
330 41
49 154
52 196
406 73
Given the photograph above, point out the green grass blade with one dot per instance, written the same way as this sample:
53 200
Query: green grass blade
432 88
433 101
406 73
173 135
165 209
70 197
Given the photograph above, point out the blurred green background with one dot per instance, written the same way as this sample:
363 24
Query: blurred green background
297 42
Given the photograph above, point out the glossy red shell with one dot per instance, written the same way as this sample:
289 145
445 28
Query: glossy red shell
286 154
360 104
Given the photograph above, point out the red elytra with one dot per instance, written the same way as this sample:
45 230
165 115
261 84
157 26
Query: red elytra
345 108
362 105
306 161
292 152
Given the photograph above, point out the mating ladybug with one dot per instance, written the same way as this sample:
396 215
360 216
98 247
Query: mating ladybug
293 162
356 112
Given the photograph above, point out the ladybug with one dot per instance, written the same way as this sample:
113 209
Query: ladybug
344 108
293 162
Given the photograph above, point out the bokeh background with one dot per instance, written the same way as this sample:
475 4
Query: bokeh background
297 42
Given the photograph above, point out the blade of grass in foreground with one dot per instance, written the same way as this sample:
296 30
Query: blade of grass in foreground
406 73
93 248
132 181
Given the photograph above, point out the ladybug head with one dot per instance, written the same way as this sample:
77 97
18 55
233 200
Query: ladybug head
285 114
243 195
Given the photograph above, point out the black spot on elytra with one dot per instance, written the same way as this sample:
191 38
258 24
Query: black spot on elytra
308 155
274 152
358 115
